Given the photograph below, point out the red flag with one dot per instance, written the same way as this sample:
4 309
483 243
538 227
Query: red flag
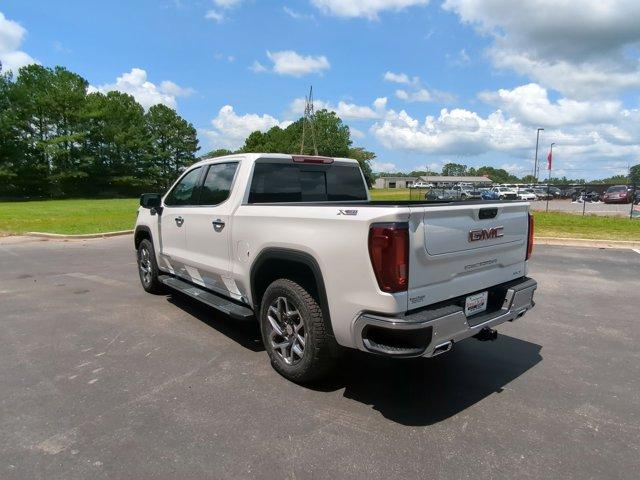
549 160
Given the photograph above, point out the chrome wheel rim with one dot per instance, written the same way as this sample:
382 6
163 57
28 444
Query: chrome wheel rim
144 263
287 333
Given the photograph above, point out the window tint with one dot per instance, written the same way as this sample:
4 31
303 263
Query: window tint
183 192
217 183
283 182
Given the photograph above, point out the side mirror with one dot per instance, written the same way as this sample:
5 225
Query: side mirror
151 200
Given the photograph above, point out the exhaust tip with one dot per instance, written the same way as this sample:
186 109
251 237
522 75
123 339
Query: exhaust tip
442 348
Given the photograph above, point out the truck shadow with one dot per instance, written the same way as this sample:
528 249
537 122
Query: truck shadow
419 392
246 334
412 392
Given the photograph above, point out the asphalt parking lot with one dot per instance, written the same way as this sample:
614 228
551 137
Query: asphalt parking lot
594 208
100 380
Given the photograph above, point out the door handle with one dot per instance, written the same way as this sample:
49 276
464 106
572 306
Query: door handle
218 225
179 221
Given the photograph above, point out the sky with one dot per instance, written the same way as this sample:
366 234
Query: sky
419 82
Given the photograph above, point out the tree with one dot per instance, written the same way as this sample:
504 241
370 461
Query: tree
173 143
220 152
454 170
529 179
634 174
364 158
332 138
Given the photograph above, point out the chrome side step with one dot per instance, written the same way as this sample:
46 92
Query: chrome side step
218 302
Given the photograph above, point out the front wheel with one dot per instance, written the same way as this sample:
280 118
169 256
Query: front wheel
294 332
148 267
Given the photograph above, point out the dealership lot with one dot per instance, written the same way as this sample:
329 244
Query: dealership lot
596 208
99 379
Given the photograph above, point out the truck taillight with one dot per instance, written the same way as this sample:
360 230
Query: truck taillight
389 252
530 238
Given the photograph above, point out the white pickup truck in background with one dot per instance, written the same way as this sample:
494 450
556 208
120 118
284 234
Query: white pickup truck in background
296 243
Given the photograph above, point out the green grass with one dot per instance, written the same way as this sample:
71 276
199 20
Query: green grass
568 225
97 216
68 216
394 194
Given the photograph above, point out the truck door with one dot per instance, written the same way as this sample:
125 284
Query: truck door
178 202
208 241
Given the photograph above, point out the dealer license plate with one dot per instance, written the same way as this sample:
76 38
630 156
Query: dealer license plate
475 303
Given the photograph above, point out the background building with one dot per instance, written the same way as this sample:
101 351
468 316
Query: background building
436 180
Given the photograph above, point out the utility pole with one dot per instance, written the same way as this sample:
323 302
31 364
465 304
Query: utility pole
550 160
308 122
535 160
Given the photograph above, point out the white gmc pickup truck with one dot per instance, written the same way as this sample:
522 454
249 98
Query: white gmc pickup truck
296 243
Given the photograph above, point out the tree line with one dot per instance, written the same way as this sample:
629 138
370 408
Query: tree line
57 139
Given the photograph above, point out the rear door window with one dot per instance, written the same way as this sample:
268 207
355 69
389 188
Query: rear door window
217 183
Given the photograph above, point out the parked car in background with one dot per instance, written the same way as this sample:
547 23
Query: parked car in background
585 196
617 194
489 194
506 193
457 192
527 194
541 193
421 185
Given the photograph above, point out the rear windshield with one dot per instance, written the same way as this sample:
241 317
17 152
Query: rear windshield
617 189
284 182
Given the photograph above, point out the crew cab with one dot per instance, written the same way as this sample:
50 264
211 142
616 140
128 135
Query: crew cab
295 243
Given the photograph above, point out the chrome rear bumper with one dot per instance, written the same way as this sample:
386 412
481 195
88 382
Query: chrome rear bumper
432 331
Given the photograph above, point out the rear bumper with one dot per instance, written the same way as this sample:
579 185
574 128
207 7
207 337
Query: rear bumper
431 331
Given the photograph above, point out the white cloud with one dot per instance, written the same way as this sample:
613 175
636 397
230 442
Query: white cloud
424 95
363 8
588 141
288 62
257 67
227 3
530 104
402 78
417 92
215 15
344 110
230 129
579 48
355 133
383 166
297 15
456 131
11 37
146 93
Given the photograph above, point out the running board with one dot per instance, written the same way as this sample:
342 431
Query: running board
208 298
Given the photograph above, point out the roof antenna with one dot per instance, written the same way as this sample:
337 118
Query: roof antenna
309 118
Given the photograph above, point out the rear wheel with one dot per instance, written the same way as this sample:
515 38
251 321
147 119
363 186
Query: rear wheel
148 267
294 332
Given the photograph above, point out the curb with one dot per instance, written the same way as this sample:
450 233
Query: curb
78 237
586 242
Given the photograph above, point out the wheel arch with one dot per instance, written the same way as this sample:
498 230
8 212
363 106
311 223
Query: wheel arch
141 232
274 263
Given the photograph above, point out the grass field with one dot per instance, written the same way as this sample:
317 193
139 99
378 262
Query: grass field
68 216
96 216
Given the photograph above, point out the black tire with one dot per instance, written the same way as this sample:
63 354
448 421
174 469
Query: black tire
501 197
148 267
319 347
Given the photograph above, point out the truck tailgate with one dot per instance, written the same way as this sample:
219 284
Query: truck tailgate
461 249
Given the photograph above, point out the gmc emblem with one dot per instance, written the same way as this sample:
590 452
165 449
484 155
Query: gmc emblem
485 234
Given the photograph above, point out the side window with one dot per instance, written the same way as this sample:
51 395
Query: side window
217 183
183 192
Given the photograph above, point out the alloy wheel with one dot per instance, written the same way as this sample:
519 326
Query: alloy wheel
287 332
